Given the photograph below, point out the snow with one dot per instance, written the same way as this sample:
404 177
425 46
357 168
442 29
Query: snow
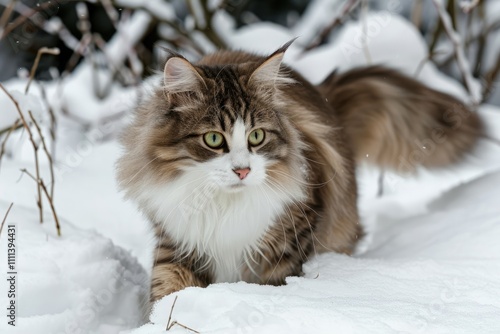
347 295
78 283
430 262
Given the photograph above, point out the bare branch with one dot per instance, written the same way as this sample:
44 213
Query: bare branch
41 51
349 6
9 129
416 13
27 15
14 127
53 120
490 79
364 13
422 63
170 315
6 15
468 6
481 42
35 148
451 10
462 61
204 23
491 28
47 195
183 326
5 217
173 323
47 153
111 12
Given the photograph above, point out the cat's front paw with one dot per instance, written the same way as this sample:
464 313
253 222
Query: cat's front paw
168 278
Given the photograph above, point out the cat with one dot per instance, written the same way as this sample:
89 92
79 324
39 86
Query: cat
246 170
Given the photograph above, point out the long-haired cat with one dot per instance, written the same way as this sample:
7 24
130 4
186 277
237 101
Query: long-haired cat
246 170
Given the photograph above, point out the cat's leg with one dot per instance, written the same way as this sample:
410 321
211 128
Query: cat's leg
277 273
271 270
171 274
172 277
286 246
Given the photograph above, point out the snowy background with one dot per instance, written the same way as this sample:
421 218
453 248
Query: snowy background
429 264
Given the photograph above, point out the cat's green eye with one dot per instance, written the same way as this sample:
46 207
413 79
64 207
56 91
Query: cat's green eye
213 139
256 137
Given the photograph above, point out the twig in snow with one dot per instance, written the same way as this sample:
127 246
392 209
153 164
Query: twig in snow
78 52
421 64
35 148
462 62
204 23
127 75
170 315
416 13
435 36
8 131
111 12
490 79
184 37
41 51
5 217
491 28
47 153
364 13
25 15
6 15
173 323
51 203
84 26
450 9
481 42
53 120
132 55
467 6
183 326
349 6
53 26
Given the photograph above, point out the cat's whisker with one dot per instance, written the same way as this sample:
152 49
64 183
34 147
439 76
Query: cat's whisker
307 159
314 237
138 172
296 201
288 212
302 182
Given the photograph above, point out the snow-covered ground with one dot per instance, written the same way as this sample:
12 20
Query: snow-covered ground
430 262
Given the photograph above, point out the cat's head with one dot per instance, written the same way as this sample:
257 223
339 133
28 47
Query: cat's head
225 124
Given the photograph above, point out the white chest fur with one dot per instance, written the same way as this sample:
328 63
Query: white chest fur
222 225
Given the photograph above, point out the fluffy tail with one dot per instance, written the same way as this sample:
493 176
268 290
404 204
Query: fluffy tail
398 123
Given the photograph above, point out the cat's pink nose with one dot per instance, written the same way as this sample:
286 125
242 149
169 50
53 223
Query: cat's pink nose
242 173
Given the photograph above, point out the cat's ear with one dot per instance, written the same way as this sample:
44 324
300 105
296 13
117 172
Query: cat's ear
180 76
270 74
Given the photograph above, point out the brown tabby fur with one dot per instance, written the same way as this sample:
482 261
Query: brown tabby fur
396 122
374 111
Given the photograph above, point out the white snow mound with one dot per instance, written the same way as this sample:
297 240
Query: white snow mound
78 283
